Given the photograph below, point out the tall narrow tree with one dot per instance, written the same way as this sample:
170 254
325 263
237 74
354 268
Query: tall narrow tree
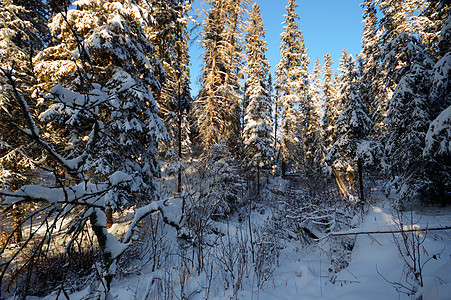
329 95
372 85
292 81
217 105
169 34
353 124
257 139
408 114
314 137
23 32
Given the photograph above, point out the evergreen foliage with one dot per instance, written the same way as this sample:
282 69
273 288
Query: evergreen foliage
168 33
313 134
408 115
110 60
217 105
329 95
353 124
257 138
292 82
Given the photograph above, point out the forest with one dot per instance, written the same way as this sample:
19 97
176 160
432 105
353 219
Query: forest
117 182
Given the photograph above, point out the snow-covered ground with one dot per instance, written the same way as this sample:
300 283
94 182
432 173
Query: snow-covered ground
302 272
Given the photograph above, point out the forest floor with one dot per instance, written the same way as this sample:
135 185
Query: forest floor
376 268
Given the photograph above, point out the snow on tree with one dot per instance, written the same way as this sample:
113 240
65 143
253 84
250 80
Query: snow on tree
330 115
438 138
168 33
353 124
372 73
257 138
217 105
220 185
438 152
314 135
444 43
408 114
112 49
98 128
292 79
71 193
22 33
428 21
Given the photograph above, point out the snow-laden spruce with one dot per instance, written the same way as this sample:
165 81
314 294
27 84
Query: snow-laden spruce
292 80
257 138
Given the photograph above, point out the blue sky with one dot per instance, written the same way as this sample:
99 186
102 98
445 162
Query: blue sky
329 26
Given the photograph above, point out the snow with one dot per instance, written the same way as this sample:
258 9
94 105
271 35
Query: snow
119 177
301 271
438 137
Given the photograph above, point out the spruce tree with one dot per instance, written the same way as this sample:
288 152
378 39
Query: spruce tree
110 56
372 81
217 105
257 139
329 95
23 32
292 82
314 136
408 114
437 149
353 123
168 33
428 21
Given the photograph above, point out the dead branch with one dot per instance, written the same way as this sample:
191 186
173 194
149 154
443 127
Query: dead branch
388 231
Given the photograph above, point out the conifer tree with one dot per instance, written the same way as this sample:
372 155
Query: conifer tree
314 137
257 139
292 81
372 74
437 149
102 47
217 105
23 32
408 114
168 33
353 124
329 95
427 22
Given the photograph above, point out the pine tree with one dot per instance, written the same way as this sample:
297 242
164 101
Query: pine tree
292 83
408 114
314 136
372 79
329 95
218 110
257 139
23 32
353 124
169 34
108 54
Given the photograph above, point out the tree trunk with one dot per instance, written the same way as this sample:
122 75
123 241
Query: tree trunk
179 175
258 179
360 171
17 220
109 217
284 168
340 183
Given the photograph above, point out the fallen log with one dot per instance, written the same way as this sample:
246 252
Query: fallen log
387 231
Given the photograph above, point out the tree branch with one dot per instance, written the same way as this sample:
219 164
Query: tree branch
388 231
